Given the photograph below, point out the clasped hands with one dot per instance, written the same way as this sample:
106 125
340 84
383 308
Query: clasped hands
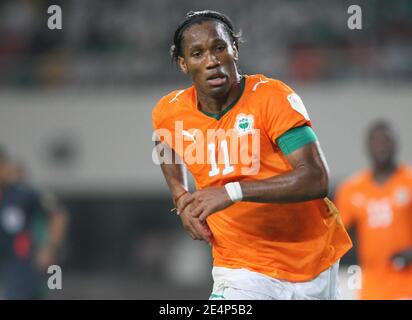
196 207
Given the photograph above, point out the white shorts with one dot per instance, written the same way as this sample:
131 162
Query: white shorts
243 284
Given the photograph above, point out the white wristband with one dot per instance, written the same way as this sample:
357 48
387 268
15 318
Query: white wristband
234 191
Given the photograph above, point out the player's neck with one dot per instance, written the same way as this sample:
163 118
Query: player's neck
216 105
382 173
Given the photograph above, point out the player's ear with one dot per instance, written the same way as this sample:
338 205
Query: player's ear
235 52
182 64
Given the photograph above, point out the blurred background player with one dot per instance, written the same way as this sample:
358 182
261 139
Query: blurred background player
32 228
378 202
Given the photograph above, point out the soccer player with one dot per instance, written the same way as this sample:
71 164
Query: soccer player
260 174
378 202
32 228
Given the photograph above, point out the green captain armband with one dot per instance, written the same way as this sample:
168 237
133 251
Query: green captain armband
295 139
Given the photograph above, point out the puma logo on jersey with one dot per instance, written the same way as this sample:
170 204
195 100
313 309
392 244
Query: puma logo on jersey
258 83
191 136
175 97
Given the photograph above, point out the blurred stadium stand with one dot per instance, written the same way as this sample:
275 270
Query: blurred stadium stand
125 43
75 105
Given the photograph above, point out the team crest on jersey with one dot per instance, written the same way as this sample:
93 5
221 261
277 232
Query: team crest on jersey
244 123
402 196
358 200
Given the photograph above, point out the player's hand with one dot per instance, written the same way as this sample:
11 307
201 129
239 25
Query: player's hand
196 229
208 201
45 257
402 259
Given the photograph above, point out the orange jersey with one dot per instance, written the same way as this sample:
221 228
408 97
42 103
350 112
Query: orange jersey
383 218
294 242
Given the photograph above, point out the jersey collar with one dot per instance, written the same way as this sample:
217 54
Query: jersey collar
230 106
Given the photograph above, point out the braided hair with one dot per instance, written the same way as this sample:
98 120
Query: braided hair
197 17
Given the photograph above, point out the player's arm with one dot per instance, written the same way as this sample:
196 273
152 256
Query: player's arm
174 173
57 221
402 259
176 178
308 180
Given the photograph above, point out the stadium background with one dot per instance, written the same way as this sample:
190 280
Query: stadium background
75 108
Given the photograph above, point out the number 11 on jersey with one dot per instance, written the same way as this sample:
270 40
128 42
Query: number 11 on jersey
215 170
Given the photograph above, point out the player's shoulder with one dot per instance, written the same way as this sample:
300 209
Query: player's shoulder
174 99
23 191
264 85
355 181
171 103
406 170
22 188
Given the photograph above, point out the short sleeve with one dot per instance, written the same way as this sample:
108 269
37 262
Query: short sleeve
50 202
160 132
45 202
163 127
157 116
343 200
283 110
